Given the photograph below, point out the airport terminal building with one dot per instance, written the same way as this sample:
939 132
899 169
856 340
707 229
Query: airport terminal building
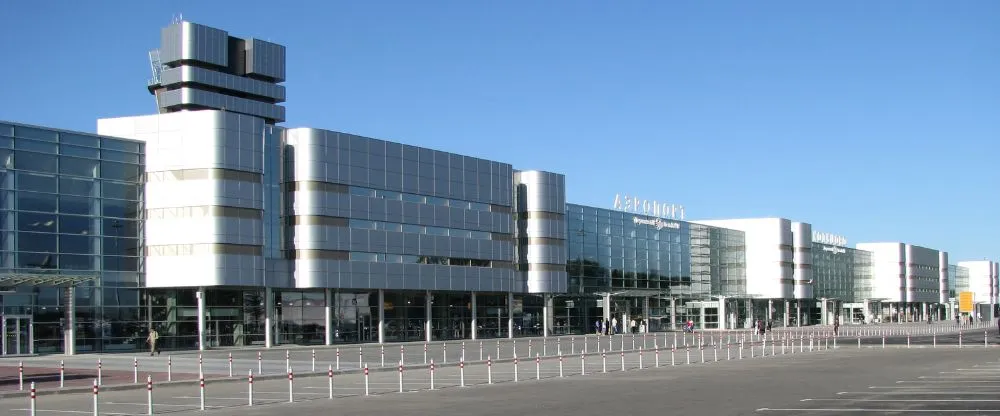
218 227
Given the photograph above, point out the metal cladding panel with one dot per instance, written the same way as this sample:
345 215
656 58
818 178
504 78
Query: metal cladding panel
186 96
186 41
943 277
204 270
221 80
266 59
802 260
545 191
546 282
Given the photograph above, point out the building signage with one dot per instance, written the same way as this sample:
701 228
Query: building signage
659 223
831 239
965 302
835 250
636 205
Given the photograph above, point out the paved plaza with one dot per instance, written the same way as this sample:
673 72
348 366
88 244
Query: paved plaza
801 370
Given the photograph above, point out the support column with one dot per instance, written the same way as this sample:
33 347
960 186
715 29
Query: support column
475 324
822 312
328 316
701 316
770 310
547 312
510 315
722 313
381 316
606 309
428 327
750 318
268 317
788 313
200 296
645 313
69 332
673 314
798 313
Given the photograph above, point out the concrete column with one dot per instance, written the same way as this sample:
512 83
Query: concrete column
547 312
200 296
268 317
606 310
69 333
328 315
381 316
645 312
770 310
750 318
722 312
788 313
822 313
798 312
701 317
428 326
510 315
673 314
475 324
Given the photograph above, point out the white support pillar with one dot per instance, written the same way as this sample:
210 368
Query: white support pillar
788 313
428 327
673 314
510 315
547 312
701 316
475 323
645 312
328 316
606 309
268 317
381 316
722 313
200 297
798 312
822 312
69 332
770 310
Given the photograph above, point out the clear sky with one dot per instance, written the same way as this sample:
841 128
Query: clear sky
876 120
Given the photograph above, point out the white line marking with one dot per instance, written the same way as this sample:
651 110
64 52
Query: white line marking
72 411
903 400
919 392
193 406
952 382
766 409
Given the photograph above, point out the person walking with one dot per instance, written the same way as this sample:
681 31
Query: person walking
836 326
151 340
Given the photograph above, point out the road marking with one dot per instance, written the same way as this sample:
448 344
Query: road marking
926 392
950 382
89 412
767 409
900 400
158 404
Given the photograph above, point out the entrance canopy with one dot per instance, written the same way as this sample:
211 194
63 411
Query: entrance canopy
42 279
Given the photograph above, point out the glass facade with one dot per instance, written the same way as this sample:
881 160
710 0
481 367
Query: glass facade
638 258
841 273
69 215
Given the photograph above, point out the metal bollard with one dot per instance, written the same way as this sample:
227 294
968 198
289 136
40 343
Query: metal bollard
859 342
622 352
100 375
461 372
402 354
432 374
20 375
249 387
560 365
907 340
170 370
935 339
201 383
529 348
489 370
33 400
135 370
498 349
702 348
361 357
444 353
200 361
538 367
62 374
291 378
96 411
366 380
513 348
673 351
231 364
883 340
382 354
259 365
149 395
656 351
583 364
338 358
313 362
425 353
481 351
329 380
400 376
604 360
515 368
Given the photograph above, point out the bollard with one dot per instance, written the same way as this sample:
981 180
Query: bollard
656 352
259 365
402 354
382 354
673 350
96 411
231 365
498 349
444 353
513 348
20 375
529 348
432 374
170 370
100 375
481 351
313 362
135 370
361 357
200 361
715 351
33 400
400 376
935 339
515 368
249 387
604 360
291 377
461 372
640 359
560 365
62 374
959 339
538 367
687 350
907 340
583 363
622 352
883 340
489 370
149 395
201 384
329 380
986 340
366 380
702 348
425 353
859 342
741 350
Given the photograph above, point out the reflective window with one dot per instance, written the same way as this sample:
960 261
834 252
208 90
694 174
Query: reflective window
78 139
120 171
72 224
80 205
120 145
79 244
33 133
120 156
29 221
39 242
35 201
77 186
121 263
35 146
76 262
77 151
119 190
37 261
37 162
116 208
78 167
6 158
36 182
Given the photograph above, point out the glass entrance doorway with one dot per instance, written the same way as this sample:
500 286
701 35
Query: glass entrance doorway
18 338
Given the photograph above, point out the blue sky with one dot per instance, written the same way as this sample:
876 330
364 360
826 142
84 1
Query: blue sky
874 120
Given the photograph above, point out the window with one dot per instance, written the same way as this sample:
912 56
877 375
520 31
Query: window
36 182
80 205
35 146
118 190
78 167
76 186
28 221
39 242
37 162
120 171
34 201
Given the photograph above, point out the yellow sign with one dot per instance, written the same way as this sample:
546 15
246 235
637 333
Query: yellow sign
965 302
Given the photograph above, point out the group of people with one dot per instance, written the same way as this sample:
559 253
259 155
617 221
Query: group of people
613 327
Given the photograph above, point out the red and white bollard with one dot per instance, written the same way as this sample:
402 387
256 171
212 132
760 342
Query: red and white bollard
20 375
329 380
149 395
489 370
400 376
230 364
623 358
560 364
425 353
515 368
200 362
250 388
291 386
432 374
135 370
170 372
288 359
461 372
366 380
338 358
33 398
382 349
62 374
402 354
96 411
538 367
100 372
201 383
259 365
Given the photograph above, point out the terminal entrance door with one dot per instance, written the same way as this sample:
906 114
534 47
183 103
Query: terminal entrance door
18 337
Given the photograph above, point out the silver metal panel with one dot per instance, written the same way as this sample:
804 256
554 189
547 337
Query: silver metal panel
191 41
266 59
195 97
222 80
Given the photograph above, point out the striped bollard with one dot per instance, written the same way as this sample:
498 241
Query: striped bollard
622 352
432 374
489 370
170 368
515 368
249 387
560 365
329 380
149 395
367 383
96 407
538 367
62 374
33 398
